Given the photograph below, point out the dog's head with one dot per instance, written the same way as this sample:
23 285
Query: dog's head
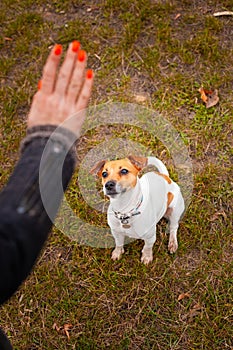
119 176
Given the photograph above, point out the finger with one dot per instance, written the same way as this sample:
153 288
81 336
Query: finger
77 78
66 69
85 92
50 69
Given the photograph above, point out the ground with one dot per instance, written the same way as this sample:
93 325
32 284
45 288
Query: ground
157 54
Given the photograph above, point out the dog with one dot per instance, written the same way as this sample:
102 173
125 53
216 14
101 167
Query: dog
137 204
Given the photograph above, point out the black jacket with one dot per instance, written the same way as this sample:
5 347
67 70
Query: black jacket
29 203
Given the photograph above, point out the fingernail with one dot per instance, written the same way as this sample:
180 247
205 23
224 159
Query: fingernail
81 55
89 73
39 84
57 49
75 46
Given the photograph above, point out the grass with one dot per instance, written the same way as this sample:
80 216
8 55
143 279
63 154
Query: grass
163 51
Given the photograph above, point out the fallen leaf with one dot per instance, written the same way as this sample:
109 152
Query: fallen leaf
209 97
203 94
177 16
65 329
183 295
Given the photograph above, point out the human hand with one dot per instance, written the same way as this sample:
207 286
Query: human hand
63 93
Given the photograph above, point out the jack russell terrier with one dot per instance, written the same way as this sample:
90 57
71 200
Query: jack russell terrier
136 205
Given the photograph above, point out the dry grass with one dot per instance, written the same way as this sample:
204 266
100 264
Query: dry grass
76 297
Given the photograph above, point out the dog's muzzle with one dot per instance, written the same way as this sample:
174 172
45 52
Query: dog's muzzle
110 185
110 188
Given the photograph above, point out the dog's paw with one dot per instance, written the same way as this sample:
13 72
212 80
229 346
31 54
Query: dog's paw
146 259
117 253
147 256
172 245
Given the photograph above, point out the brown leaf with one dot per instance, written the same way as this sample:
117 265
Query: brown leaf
213 99
177 16
203 94
65 329
183 295
209 97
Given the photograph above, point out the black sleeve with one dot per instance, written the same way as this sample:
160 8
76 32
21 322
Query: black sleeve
30 201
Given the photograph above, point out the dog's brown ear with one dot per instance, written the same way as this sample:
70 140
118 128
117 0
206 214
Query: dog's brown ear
97 168
138 162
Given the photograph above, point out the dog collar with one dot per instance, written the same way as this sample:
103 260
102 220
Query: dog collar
125 217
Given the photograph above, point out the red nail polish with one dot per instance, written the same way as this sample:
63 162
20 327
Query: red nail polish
57 49
75 46
81 55
89 73
39 84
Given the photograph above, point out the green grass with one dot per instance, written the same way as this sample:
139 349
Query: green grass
163 50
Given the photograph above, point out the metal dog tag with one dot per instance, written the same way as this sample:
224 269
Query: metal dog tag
126 226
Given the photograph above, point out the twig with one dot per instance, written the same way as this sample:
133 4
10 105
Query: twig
224 13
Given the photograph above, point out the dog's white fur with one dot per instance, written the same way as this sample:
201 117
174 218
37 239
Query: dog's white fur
136 205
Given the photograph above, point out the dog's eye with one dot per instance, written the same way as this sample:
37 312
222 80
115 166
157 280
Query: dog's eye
104 174
124 171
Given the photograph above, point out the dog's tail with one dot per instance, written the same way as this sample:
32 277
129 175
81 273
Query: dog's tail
158 164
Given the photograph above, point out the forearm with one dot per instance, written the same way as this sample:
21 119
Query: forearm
30 201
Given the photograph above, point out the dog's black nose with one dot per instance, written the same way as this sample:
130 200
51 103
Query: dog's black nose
110 185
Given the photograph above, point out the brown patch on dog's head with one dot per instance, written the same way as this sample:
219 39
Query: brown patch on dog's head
122 172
